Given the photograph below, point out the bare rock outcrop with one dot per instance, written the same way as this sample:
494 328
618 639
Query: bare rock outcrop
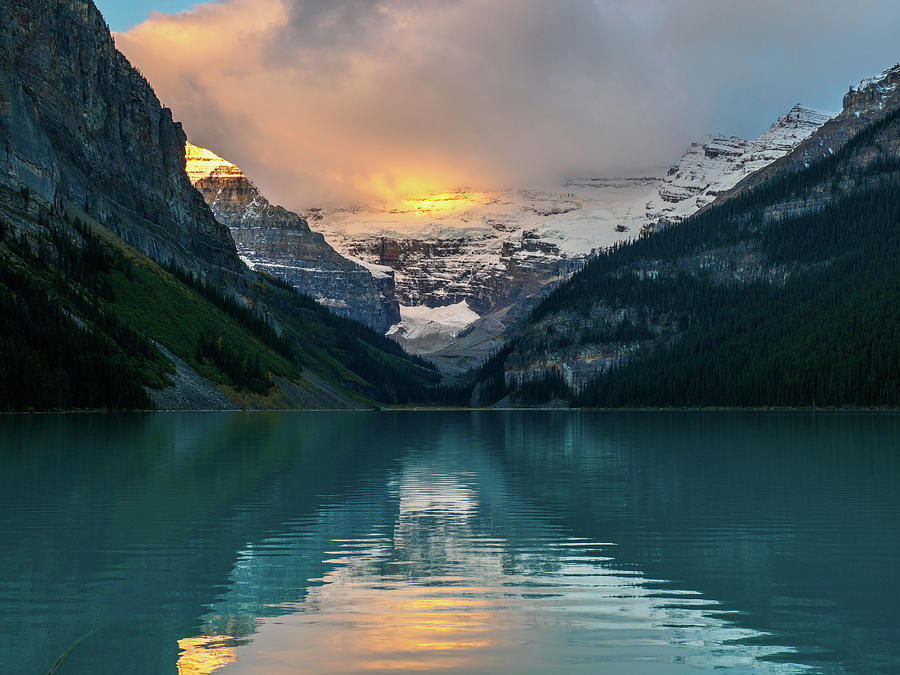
80 127
272 239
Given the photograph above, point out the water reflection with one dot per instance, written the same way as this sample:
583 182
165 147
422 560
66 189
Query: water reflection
442 565
513 542
204 655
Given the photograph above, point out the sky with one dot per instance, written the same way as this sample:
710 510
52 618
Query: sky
123 14
332 102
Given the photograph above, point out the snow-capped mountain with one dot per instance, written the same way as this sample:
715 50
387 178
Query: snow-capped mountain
870 100
716 164
498 251
277 241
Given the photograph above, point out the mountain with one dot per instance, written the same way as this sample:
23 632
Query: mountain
276 241
717 163
785 292
81 128
118 286
500 251
864 103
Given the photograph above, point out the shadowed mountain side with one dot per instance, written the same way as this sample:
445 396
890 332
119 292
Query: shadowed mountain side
80 127
107 250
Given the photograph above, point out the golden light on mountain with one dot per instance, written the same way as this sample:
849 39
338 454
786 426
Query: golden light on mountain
201 163
443 202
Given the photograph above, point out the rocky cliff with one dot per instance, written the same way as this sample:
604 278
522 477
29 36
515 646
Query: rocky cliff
277 241
79 127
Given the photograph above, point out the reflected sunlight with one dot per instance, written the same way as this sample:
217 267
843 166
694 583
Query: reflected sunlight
408 626
204 655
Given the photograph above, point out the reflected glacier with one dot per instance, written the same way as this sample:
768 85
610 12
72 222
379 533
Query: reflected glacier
441 565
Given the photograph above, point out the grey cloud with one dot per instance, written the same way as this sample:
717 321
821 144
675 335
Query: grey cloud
335 101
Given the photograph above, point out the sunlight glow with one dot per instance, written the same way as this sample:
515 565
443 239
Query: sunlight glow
442 202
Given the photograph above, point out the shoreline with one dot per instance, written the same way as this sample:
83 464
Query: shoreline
805 409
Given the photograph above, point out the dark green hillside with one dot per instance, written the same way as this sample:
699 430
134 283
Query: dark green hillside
830 336
787 295
59 349
81 310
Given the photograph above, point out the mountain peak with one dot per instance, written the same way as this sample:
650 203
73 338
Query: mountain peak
786 132
804 112
202 163
886 78
873 94
798 117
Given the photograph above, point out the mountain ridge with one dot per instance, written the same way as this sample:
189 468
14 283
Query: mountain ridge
279 242
784 293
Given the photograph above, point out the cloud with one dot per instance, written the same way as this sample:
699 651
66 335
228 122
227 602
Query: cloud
330 101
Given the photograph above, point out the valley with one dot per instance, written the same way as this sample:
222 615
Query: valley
501 251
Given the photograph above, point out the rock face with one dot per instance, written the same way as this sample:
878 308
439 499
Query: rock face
79 127
482 268
277 241
499 251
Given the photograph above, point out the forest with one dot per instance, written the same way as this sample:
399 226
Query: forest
81 313
824 331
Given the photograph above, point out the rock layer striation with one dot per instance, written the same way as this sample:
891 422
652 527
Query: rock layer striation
80 128
272 239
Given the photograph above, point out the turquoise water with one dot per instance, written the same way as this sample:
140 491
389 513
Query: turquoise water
517 542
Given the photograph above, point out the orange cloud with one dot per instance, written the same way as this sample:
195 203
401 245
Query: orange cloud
324 101
334 102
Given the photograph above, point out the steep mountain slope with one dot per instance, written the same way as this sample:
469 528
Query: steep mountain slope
274 240
787 293
80 127
499 251
118 287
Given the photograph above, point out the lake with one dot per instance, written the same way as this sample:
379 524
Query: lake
490 541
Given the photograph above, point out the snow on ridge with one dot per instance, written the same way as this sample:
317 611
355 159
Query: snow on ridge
876 80
715 164
422 321
377 271
798 117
